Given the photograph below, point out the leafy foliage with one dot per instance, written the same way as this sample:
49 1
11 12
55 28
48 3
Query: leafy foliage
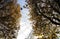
45 15
9 19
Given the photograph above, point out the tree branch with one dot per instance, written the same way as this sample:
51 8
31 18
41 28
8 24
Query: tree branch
47 16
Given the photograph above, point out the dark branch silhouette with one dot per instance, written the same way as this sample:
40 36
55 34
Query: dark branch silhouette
49 17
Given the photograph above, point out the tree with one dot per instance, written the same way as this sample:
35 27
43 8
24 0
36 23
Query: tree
45 15
9 19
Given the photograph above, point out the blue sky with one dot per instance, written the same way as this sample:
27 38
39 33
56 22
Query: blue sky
25 27
25 11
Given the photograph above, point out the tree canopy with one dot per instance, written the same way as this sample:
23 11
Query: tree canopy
45 15
9 19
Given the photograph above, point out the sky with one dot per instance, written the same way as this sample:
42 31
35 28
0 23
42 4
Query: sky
25 27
